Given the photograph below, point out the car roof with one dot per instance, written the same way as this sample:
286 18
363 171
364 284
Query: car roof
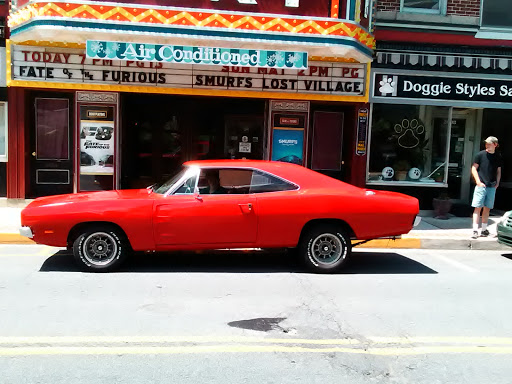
230 162
266 165
295 173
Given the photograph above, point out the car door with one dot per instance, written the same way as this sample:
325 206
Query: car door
192 216
281 213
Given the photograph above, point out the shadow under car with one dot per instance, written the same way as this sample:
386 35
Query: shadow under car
244 262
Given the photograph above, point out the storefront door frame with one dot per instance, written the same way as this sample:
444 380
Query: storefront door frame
470 115
39 170
102 99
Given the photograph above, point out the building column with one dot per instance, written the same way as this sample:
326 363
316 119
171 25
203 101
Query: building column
16 143
356 174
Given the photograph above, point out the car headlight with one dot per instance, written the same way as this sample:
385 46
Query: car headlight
505 217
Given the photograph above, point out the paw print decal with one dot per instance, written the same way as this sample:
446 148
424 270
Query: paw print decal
414 173
387 85
408 131
388 173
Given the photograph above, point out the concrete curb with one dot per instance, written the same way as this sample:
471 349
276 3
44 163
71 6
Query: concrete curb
14 238
442 243
403 243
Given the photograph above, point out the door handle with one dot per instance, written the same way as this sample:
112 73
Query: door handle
246 208
34 154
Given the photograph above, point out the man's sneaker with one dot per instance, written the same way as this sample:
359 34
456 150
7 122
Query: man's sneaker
484 233
475 235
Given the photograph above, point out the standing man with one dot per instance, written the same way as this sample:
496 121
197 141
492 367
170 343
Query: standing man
486 171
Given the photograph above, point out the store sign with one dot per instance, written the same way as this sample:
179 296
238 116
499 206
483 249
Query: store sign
73 67
362 131
389 86
97 114
292 121
115 50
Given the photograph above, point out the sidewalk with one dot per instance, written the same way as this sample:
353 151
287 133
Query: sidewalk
10 210
431 233
454 233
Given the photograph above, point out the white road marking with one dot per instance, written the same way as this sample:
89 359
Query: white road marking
452 262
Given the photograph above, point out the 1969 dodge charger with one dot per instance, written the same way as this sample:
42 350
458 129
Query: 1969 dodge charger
219 204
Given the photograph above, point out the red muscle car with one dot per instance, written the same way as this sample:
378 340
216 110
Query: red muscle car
219 204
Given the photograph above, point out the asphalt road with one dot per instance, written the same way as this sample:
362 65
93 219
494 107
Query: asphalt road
404 316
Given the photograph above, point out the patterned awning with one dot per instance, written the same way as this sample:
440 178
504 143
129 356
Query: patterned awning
449 62
75 22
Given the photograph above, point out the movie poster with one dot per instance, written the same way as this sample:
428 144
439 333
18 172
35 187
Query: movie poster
288 137
97 140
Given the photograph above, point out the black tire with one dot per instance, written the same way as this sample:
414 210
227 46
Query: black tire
100 249
325 249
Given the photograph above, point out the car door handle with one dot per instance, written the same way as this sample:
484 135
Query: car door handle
246 208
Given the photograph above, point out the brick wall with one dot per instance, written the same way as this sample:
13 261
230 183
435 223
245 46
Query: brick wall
388 5
464 8
455 7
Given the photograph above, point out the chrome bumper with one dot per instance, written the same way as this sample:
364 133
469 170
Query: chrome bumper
27 232
416 221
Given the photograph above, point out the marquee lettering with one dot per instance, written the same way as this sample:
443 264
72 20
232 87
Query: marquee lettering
74 67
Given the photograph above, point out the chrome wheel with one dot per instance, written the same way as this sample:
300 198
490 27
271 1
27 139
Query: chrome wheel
100 248
327 249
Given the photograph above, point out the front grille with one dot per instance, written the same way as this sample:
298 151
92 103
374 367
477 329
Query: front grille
505 239
508 222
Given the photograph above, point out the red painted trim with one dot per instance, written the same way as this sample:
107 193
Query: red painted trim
437 38
356 167
335 9
16 142
76 143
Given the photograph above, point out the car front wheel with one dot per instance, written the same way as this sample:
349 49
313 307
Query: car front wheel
325 249
101 249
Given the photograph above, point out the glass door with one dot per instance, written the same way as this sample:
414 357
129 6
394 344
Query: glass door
461 149
436 163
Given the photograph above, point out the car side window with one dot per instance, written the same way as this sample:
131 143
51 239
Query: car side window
187 187
219 181
263 182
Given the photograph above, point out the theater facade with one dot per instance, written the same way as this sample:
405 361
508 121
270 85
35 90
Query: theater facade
109 95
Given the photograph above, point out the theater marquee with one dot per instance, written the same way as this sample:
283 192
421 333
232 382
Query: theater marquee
71 68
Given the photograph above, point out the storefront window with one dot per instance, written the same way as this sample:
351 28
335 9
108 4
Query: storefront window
409 144
52 129
424 6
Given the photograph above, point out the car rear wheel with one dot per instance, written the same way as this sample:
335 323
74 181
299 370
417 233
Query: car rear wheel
325 249
100 249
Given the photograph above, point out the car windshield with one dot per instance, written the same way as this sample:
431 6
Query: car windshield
186 172
163 188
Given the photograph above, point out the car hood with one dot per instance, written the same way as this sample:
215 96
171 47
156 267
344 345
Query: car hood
90 196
